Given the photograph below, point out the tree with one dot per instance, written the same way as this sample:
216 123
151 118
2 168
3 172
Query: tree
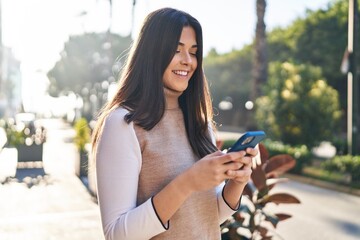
299 108
87 60
260 56
229 77
319 39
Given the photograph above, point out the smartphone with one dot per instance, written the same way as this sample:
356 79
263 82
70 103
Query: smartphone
248 140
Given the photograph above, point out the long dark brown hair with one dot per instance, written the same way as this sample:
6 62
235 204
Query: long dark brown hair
141 89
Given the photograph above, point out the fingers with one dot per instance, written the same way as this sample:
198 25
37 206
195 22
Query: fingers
252 152
239 175
232 157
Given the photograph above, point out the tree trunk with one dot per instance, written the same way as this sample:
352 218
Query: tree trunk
259 70
260 56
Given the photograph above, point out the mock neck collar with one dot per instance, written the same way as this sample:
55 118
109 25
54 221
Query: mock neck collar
171 99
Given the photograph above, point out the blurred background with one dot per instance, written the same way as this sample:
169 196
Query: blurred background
289 68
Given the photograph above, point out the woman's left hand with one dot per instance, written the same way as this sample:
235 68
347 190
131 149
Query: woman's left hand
243 174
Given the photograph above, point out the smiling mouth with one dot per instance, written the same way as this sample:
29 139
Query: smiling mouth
181 73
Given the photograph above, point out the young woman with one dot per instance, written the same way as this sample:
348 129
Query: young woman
159 173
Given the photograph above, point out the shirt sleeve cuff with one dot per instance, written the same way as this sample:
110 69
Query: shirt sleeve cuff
165 226
151 224
225 211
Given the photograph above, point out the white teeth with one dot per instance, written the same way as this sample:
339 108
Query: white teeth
182 73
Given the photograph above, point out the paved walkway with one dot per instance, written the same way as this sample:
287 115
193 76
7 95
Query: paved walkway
51 203
47 202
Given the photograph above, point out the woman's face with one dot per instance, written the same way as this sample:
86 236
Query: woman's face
182 66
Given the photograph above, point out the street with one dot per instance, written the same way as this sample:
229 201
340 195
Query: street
322 214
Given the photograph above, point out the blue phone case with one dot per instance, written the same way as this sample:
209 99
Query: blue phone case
248 140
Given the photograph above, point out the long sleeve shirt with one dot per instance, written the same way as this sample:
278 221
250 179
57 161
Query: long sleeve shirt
134 164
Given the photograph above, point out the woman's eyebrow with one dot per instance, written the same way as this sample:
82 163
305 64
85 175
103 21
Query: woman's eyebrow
193 46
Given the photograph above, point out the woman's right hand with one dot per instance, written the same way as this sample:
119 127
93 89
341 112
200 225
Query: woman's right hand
212 169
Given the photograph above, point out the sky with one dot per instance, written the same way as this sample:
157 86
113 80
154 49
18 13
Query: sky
36 30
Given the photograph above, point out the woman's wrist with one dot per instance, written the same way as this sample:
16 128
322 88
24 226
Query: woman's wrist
232 193
183 184
236 183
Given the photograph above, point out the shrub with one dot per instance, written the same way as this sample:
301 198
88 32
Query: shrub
299 107
301 154
23 133
344 164
83 135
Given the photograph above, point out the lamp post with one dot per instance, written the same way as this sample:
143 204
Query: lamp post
353 81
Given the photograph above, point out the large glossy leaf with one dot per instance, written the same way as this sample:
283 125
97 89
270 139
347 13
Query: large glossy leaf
280 198
262 230
238 217
283 216
279 164
264 154
244 208
259 178
271 182
273 219
248 190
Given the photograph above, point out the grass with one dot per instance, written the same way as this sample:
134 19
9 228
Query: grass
337 178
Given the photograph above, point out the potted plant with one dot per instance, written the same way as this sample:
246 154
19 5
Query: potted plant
81 140
252 220
27 137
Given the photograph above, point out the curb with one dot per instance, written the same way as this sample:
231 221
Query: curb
324 184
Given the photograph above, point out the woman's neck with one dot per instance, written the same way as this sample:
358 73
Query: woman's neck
171 98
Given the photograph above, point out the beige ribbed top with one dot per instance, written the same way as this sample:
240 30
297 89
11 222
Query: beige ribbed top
166 153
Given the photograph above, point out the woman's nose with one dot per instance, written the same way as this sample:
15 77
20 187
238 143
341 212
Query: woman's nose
186 58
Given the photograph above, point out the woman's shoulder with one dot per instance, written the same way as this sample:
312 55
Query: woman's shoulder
119 112
117 116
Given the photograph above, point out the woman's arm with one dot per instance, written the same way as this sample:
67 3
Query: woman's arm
231 192
118 162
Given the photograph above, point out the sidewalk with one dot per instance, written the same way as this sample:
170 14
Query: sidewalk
49 201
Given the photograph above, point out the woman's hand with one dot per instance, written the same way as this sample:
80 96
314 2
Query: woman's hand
243 174
217 167
238 178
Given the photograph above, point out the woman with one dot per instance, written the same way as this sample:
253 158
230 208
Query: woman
159 174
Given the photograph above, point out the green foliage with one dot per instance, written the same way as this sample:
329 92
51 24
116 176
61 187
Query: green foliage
344 164
86 61
228 143
229 77
252 219
319 39
299 107
19 133
301 154
82 134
